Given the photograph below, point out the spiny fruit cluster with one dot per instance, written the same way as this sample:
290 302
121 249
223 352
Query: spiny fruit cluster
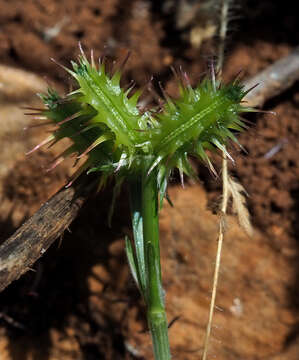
108 129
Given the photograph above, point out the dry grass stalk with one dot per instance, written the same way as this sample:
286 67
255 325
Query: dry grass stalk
238 194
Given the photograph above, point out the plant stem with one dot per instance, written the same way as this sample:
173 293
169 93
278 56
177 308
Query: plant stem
145 211
156 314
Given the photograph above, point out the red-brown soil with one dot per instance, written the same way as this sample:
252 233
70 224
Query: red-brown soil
80 302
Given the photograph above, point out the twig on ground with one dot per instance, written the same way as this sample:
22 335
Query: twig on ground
274 80
34 237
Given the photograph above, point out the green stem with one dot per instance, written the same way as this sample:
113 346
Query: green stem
155 300
153 291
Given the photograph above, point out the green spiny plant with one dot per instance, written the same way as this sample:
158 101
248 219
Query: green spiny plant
116 139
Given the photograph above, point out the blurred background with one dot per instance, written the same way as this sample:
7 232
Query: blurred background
79 301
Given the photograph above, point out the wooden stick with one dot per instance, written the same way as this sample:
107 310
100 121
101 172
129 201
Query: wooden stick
34 237
274 80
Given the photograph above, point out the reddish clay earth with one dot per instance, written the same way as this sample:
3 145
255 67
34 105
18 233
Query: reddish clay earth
81 302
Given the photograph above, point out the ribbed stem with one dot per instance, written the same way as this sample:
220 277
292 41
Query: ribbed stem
145 211
155 300
159 332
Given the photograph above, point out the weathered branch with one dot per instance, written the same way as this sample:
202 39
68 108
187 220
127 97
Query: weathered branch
34 237
274 80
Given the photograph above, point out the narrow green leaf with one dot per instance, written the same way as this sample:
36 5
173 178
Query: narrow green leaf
132 260
137 224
